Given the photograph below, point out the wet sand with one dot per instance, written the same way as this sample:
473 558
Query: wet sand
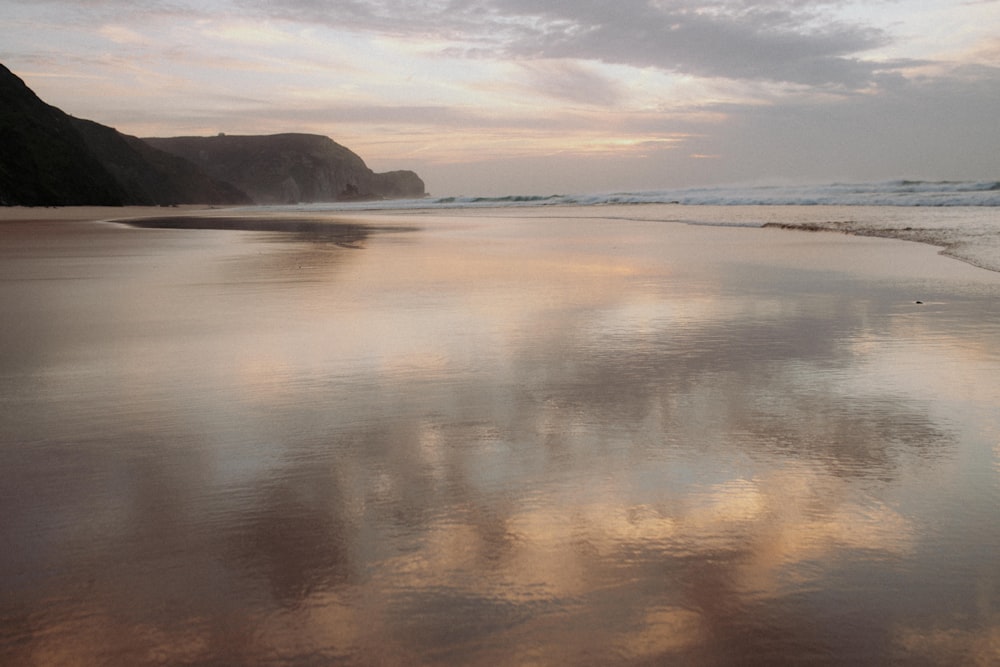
480 439
89 213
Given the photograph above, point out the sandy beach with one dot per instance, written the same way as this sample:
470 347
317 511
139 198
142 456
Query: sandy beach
493 438
89 213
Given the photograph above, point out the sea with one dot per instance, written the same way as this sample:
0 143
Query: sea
964 221
887 193
697 427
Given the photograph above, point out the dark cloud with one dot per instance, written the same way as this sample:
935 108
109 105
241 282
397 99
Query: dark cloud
938 128
933 126
714 40
778 41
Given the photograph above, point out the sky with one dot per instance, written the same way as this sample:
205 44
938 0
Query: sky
495 97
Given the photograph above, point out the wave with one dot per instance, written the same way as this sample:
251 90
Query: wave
887 193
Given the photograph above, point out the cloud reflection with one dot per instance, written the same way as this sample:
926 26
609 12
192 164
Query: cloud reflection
554 451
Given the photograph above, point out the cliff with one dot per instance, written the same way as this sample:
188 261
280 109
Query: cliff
290 168
48 158
43 159
151 176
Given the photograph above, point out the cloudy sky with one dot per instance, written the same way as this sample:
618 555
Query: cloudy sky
568 96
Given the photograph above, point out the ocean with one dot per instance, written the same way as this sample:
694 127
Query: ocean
887 193
509 434
961 217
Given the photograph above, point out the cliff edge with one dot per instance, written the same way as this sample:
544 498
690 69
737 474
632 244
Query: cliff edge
290 168
48 158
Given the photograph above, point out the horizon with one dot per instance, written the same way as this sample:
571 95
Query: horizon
491 98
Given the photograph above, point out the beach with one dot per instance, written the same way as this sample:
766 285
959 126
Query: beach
619 435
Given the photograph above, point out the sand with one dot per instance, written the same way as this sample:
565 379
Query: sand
488 440
90 213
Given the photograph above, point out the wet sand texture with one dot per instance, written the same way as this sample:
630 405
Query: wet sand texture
486 440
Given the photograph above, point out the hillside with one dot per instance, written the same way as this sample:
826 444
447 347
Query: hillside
49 158
290 168
43 159
151 176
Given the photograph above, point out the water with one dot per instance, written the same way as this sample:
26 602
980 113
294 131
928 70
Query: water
521 437
887 193
963 218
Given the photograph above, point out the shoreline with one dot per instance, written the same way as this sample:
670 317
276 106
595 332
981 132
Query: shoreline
948 247
972 250
11 214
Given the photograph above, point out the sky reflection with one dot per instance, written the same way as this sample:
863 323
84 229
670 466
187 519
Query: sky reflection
545 452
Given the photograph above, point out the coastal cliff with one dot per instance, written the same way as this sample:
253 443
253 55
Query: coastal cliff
49 158
290 168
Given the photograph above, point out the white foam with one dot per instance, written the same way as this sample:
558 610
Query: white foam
888 193
960 216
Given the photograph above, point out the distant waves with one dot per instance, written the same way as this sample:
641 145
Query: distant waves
958 216
889 193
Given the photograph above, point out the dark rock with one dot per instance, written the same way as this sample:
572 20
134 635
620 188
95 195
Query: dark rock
151 176
43 159
49 158
398 184
290 168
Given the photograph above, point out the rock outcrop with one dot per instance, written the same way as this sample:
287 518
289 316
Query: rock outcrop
43 159
290 168
48 158
152 176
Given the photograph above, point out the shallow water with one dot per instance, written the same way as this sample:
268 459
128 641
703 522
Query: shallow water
511 440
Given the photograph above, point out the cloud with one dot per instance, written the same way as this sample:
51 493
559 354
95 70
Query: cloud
795 42
792 41
938 127
89 12
571 82
649 91
713 39
121 35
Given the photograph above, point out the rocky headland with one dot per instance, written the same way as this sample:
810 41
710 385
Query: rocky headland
49 158
290 168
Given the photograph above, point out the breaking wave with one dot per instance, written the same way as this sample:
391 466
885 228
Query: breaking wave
953 215
888 193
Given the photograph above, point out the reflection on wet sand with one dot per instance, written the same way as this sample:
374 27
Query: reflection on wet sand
490 442
338 232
